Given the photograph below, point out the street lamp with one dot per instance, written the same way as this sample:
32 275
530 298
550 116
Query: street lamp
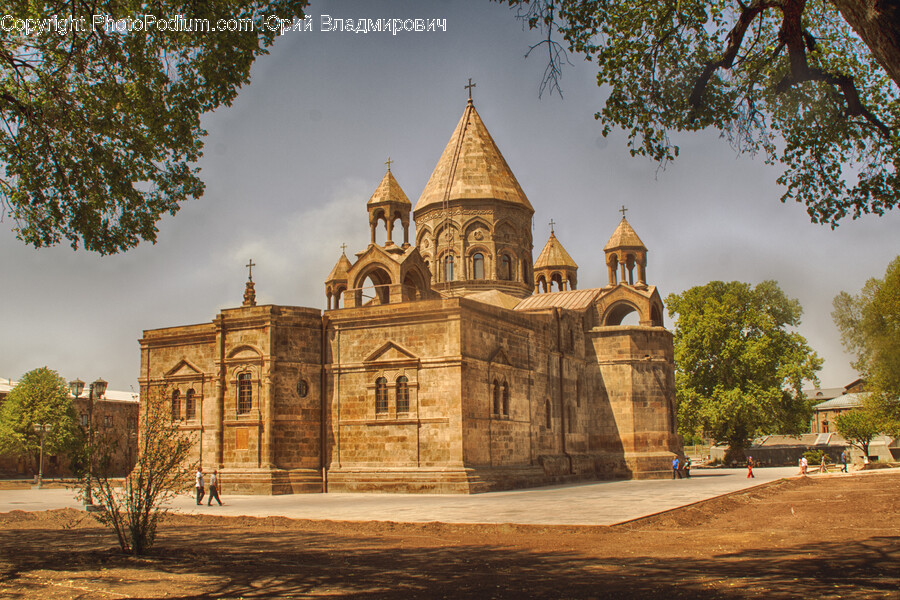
97 389
42 428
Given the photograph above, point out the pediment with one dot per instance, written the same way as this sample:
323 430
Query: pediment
500 357
245 353
391 352
182 369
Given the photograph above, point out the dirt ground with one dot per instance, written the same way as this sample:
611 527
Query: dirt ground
822 538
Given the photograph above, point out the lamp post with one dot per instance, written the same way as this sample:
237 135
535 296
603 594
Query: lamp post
97 389
42 428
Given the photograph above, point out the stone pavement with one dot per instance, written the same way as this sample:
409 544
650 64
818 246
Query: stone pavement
594 503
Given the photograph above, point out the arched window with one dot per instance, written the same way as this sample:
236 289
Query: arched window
505 399
549 415
176 405
448 267
505 267
496 394
381 395
245 394
478 266
190 405
402 393
571 419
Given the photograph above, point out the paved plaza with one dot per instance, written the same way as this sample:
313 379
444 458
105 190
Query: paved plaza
594 503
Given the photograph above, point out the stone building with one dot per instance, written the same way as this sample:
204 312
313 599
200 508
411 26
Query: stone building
445 365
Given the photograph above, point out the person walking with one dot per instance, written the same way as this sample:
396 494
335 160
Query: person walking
750 468
822 467
687 467
201 491
214 488
804 465
676 474
844 461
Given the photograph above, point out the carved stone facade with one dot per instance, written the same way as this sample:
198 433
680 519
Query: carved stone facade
444 366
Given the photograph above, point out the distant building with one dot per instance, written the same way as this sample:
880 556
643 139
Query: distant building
116 412
834 401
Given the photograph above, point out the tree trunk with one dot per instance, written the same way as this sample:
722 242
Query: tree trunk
877 22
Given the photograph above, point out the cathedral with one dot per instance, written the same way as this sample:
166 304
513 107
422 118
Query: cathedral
446 361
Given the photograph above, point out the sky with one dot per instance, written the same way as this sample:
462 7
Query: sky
290 166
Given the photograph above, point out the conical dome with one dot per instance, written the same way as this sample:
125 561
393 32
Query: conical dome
388 191
624 237
554 255
340 270
471 167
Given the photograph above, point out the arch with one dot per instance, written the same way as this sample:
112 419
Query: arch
656 316
476 223
176 405
244 393
379 279
541 285
505 267
617 312
448 267
401 393
190 405
381 395
557 278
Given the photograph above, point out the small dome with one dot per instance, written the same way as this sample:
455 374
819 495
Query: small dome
388 191
624 237
340 270
554 255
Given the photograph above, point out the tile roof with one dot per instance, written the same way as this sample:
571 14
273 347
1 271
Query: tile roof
570 300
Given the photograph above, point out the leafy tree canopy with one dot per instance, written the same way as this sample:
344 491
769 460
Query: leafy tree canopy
870 328
807 84
859 426
739 369
41 396
101 126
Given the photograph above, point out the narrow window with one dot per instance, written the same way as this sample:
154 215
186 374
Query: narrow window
176 405
505 267
381 395
478 266
496 392
85 421
107 421
245 394
402 394
571 419
549 415
190 406
505 399
448 268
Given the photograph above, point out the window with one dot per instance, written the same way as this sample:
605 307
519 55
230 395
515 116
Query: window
176 405
107 421
496 392
505 267
381 395
571 419
549 423
448 267
190 405
302 388
505 394
245 394
131 423
402 394
85 421
478 266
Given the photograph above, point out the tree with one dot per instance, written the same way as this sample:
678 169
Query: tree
739 369
40 397
133 508
870 329
814 86
859 426
101 104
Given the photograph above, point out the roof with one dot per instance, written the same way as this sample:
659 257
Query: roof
109 396
554 255
340 270
472 167
388 191
570 300
823 393
495 298
624 237
841 402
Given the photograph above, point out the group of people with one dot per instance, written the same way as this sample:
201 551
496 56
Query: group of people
213 487
681 468
804 464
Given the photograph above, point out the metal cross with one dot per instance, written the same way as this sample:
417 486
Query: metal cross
344 246
388 163
250 265
551 225
469 87
622 210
